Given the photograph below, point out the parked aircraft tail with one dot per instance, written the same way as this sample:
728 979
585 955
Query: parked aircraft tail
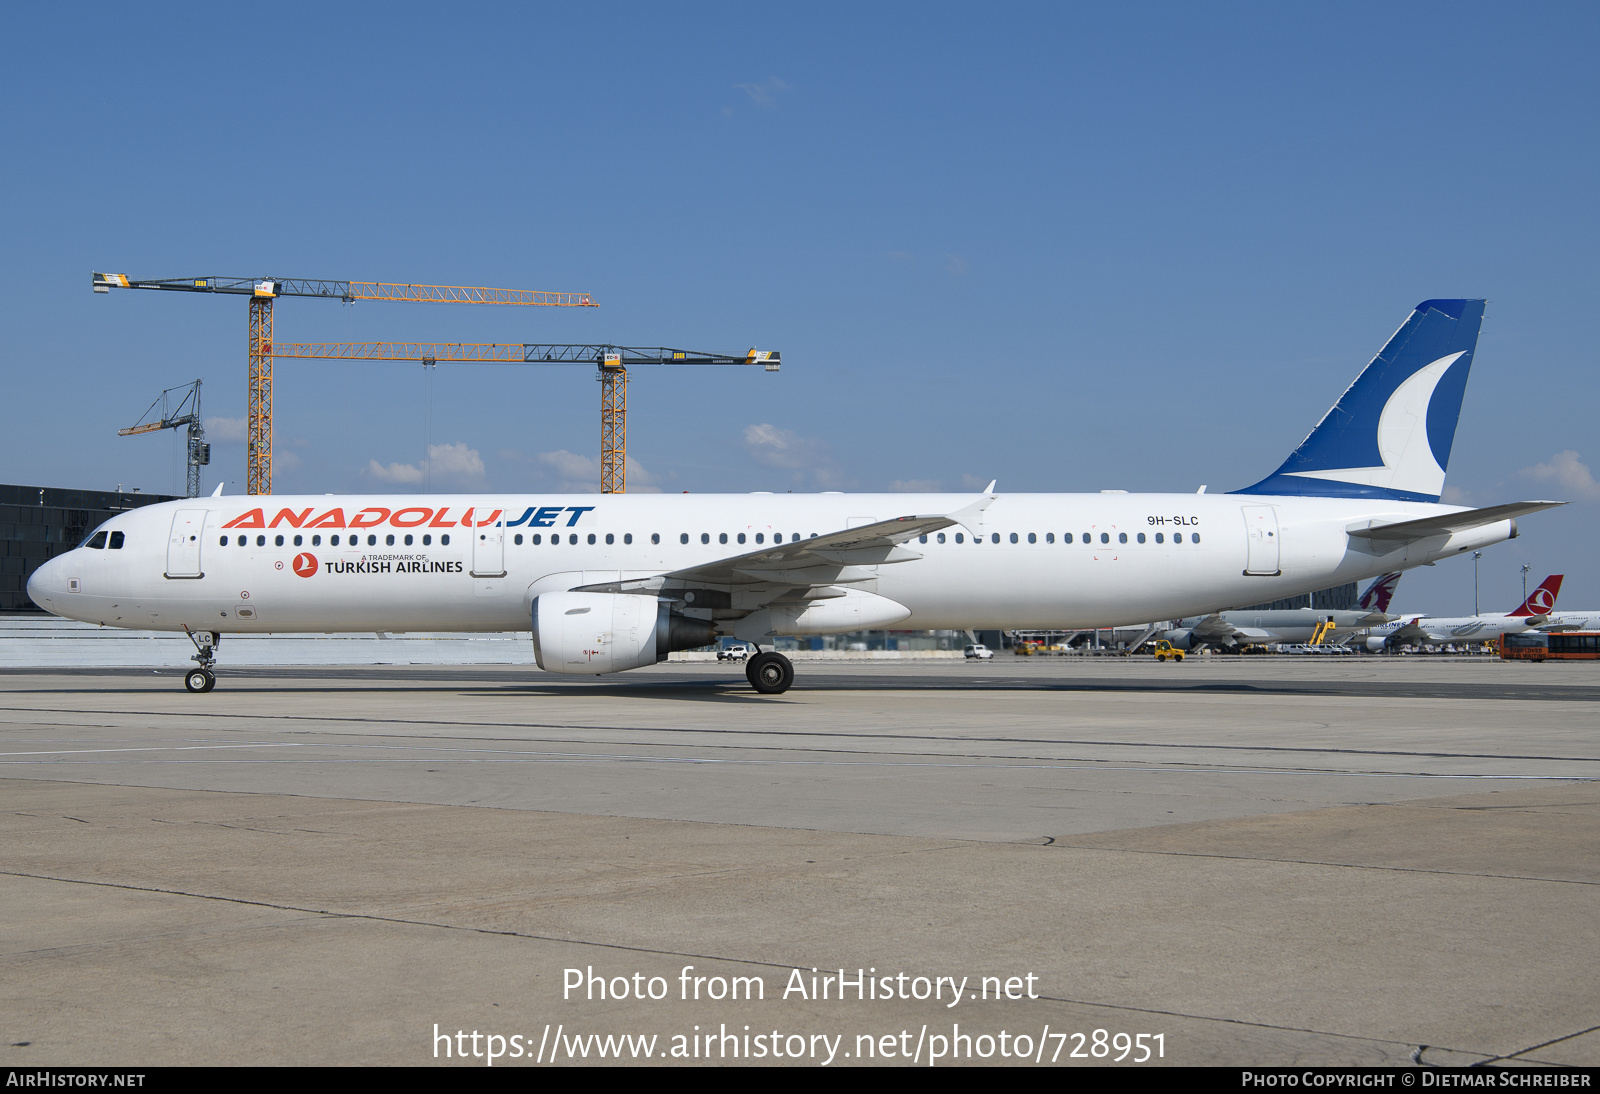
1379 593
1542 601
1390 433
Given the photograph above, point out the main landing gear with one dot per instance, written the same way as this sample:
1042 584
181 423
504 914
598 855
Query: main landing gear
202 679
769 673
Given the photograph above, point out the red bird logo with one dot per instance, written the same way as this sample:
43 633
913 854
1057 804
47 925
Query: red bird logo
305 564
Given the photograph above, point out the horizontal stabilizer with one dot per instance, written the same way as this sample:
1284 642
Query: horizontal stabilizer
1410 530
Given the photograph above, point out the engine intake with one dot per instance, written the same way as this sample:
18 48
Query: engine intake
596 633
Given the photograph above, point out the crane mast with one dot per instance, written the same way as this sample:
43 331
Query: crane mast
175 414
612 362
264 290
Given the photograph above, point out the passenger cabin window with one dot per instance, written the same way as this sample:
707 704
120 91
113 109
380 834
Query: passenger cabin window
610 539
299 540
759 537
388 541
427 540
940 537
572 540
1032 538
1050 537
591 539
1141 537
627 537
1105 537
1122 537
242 540
958 538
277 541
537 539
316 541
995 538
722 537
1159 539
683 537
261 541
408 540
1013 537
444 540
922 539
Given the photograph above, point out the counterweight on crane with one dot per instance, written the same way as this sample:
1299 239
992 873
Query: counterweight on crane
612 361
174 413
263 291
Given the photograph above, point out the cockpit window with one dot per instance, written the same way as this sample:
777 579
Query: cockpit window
116 541
97 541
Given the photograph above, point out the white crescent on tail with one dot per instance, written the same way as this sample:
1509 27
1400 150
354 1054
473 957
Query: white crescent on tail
1408 460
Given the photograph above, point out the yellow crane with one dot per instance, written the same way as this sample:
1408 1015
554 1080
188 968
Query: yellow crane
613 362
262 291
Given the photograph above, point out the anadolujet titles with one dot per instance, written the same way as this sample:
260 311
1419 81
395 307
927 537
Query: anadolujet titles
615 582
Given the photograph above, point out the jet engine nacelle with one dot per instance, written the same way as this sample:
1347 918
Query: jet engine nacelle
597 633
1181 640
1376 645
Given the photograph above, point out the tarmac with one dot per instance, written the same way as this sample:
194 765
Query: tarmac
1239 861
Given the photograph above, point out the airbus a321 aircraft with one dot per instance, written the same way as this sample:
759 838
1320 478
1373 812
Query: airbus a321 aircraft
613 582
1428 630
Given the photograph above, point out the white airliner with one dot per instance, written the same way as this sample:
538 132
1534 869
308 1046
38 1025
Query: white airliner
614 582
1232 631
1429 630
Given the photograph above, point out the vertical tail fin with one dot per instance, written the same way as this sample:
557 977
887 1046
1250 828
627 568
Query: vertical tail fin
1542 601
1390 433
1379 593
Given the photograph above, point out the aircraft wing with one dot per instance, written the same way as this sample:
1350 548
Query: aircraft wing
801 569
1411 631
1214 627
1408 530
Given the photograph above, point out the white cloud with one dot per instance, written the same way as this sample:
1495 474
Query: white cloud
571 473
1567 472
446 465
226 430
776 447
763 94
455 461
807 457
1454 495
403 473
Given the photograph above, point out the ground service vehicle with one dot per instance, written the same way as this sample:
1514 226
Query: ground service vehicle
1556 646
1165 652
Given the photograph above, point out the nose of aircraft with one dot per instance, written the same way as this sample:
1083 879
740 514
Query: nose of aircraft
44 584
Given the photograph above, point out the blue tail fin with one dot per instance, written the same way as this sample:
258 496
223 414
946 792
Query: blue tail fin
1390 433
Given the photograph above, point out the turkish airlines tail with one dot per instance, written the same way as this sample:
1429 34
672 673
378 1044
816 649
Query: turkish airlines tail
1542 601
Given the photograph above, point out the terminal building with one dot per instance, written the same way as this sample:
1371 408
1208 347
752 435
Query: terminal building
37 523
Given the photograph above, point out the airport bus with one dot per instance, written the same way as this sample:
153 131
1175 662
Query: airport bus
1534 646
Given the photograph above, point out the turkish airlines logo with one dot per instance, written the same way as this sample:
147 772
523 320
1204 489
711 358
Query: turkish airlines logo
1542 600
305 564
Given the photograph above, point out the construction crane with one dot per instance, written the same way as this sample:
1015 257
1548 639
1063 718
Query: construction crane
612 361
262 291
174 414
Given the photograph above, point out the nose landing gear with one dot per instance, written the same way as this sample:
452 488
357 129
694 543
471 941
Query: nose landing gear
200 680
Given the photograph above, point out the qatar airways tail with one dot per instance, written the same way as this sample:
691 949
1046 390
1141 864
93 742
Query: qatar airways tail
606 583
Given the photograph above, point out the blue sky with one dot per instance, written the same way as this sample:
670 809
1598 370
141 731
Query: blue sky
1064 247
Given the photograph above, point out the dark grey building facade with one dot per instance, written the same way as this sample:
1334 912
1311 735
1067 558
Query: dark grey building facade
37 523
